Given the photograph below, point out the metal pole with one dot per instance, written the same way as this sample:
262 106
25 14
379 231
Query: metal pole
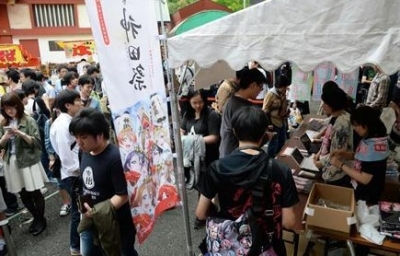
7 238
178 143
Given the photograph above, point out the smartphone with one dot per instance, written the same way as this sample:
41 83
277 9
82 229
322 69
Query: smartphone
84 199
7 128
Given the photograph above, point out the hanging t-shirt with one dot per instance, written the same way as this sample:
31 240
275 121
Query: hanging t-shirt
209 123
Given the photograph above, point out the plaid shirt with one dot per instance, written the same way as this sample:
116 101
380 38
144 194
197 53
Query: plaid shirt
378 91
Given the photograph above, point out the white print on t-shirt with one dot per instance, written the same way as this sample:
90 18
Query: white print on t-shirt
87 178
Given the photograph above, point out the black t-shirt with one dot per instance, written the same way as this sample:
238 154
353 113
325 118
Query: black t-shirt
373 190
207 124
103 177
229 141
232 182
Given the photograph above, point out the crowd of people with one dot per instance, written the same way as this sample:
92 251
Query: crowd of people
60 132
55 131
354 141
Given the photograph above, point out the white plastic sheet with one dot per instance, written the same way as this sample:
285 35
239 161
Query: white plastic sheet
308 32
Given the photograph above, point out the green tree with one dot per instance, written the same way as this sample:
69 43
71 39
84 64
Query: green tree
234 5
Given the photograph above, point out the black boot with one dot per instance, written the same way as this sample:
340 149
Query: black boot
31 228
40 226
28 201
41 222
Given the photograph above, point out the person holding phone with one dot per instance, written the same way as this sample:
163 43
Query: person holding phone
23 170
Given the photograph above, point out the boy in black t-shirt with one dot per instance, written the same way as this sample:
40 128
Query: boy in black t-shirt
103 183
228 178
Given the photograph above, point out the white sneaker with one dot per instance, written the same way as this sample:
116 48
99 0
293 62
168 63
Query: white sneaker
44 190
64 211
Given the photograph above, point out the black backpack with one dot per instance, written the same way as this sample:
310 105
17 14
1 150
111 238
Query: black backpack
255 226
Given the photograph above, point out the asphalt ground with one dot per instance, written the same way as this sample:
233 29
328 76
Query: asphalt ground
167 238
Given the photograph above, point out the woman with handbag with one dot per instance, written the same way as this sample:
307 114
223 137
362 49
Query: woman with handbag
23 170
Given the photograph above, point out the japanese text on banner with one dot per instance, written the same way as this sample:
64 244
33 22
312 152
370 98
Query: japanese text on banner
126 37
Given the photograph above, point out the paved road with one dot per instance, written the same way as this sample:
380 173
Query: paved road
168 237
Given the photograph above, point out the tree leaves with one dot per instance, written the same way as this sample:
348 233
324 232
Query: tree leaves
234 5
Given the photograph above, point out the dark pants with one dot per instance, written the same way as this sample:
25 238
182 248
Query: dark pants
9 198
74 238
343 182
277 142
127 243
34 202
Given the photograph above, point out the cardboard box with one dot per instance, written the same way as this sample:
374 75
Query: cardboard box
326 217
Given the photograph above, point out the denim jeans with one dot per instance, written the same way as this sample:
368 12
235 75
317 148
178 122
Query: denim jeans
74 240
277 142
88 248
44 159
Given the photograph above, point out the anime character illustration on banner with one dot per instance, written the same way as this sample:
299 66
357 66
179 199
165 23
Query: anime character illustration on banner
143 138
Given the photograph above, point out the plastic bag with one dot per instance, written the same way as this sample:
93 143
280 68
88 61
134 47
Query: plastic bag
388 117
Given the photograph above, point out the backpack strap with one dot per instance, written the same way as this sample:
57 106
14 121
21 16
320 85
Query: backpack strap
262 211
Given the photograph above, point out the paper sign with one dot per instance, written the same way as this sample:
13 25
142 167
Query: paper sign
322 73
300 89
10 54
348 82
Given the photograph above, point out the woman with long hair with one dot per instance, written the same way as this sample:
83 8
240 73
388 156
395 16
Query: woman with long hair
23 170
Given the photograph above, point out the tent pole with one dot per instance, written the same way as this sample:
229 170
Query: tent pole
178 143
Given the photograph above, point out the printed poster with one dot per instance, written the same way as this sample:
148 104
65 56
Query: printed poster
78 48
322 73
348 82
128 47
300 89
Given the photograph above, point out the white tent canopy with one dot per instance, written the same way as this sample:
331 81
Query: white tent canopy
348 33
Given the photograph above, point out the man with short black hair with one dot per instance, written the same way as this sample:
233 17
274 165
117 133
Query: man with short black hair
45 89
233 178
64 144
94 73
251 84
13 80
26 74
62 69
103 181
86 87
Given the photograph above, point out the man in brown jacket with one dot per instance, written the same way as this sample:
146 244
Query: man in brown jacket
226 89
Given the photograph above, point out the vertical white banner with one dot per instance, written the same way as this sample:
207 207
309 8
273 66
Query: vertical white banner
126 37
